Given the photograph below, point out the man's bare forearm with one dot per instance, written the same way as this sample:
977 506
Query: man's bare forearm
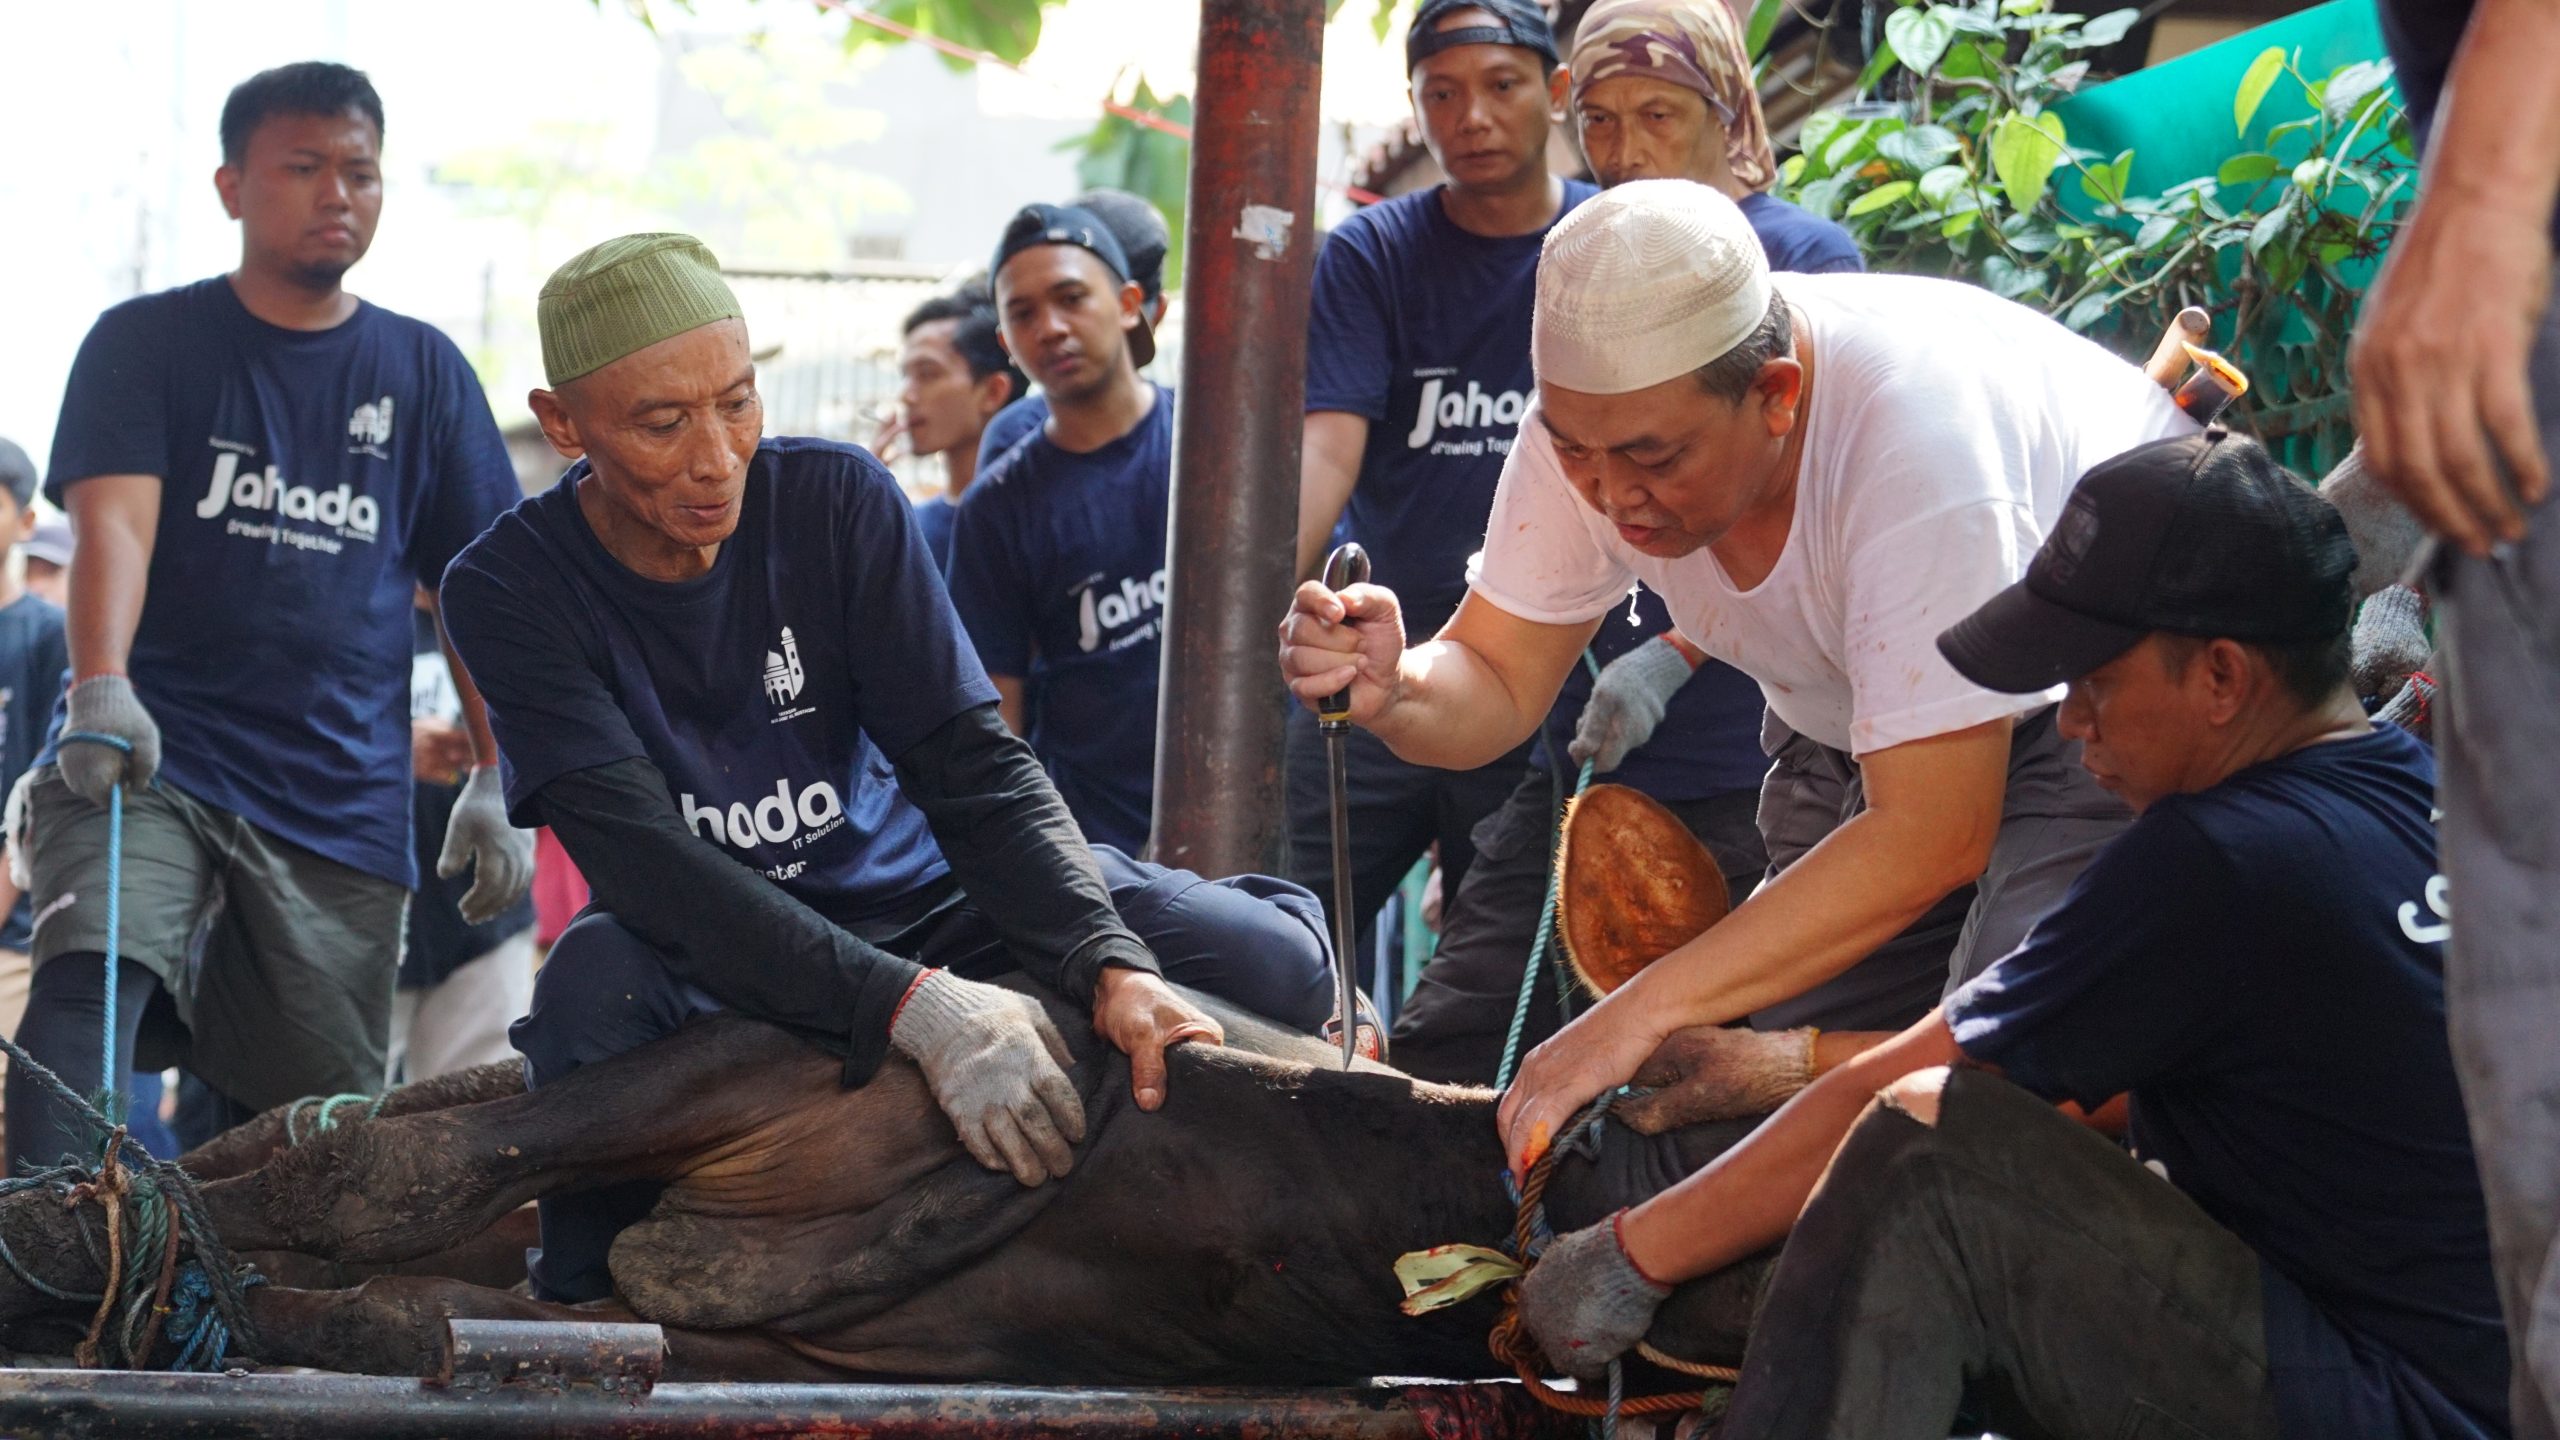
1478 688
1453 711
116 519
1328 471
2496 142
1829 910
1750 1197
475 711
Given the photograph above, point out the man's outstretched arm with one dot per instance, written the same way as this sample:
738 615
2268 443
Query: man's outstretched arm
1021 857
1933 812
1749 1198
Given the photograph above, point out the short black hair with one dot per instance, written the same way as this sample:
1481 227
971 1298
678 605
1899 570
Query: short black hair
2311 671
305 87
1731 375
976 336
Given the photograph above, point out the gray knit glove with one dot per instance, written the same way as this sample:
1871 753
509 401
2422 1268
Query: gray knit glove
994 1064
1627 702
106 705
1586 1303
2390 640
499 854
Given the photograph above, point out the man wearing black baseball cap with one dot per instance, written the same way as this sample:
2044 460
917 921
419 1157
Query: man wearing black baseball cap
2257 963
1058 553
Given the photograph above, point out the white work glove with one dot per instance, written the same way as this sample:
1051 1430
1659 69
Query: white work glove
106 705
1627 701
478 835
2390 641
994 1064
20 846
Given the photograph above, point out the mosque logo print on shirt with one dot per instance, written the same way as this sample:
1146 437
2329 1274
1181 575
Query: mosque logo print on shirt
369 429
1443 408
783 678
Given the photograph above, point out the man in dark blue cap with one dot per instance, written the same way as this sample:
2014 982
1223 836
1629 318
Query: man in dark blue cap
1417 374
1144 241
1058 553
2297 1244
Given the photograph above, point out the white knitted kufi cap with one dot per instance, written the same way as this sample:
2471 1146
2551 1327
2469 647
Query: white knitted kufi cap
1644 282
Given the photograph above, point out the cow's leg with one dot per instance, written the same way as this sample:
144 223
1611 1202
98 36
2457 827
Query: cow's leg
244 1148
396 1326
493 1257
401 1187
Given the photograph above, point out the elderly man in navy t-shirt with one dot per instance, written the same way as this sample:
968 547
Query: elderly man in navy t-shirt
722 668
2297 1244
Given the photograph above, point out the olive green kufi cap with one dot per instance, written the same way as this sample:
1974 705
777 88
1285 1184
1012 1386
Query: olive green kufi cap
624 295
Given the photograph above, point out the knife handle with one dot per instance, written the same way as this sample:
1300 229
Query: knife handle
1347 566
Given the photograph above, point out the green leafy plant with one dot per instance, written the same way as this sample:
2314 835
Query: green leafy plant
1007 29
1145 161
1960 168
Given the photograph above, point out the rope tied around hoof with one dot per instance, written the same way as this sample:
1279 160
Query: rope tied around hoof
152 1209
1511 1342
313 1116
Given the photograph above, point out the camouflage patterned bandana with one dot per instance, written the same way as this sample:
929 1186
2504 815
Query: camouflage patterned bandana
1691 43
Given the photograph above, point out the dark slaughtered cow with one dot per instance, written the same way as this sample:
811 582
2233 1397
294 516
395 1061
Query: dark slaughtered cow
1244 1234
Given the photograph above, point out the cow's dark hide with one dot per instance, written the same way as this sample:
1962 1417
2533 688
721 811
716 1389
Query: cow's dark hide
1245 1233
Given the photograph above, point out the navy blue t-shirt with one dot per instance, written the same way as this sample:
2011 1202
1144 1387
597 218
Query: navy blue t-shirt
1422 329
311 480
934 516
1011 426
1797 240
1058 570
1709 740
2260 966
33 657
770 691
2422 36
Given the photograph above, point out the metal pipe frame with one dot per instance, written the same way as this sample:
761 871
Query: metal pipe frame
1249 261
139 1406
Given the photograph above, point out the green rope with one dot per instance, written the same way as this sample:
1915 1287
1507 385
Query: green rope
202 1328
315 1115
1546 920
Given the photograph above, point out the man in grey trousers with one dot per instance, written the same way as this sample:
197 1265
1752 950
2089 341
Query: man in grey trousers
2457 380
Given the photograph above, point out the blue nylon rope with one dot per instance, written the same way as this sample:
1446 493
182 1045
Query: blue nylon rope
1546 920
107 1076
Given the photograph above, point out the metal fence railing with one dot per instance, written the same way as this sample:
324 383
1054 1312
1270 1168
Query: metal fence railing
827 348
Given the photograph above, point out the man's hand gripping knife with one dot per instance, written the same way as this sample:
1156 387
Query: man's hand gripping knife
996 1068
106 705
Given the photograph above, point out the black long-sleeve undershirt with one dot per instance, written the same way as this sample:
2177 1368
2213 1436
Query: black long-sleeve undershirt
1012 846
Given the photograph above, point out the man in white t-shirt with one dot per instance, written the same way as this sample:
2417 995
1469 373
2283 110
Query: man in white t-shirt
1816 474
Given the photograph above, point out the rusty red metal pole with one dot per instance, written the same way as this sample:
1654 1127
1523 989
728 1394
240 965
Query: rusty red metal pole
1248 260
